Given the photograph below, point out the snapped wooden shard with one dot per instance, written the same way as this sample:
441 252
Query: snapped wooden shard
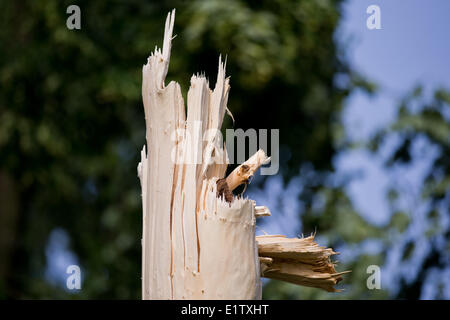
298 260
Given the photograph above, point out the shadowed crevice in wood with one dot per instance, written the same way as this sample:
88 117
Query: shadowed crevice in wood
223 191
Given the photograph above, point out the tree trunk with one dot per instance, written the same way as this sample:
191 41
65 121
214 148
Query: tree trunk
198 239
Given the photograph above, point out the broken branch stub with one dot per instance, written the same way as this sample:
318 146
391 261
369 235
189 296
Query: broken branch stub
245 171
198 240
298 260
241 175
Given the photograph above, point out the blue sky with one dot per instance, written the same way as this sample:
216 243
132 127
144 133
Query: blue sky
411 48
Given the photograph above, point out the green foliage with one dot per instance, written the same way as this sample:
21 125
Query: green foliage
400 221
423 118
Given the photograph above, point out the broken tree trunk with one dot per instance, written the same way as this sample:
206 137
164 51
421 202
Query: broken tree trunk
198 238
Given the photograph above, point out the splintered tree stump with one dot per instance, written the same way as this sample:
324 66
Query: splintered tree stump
198 239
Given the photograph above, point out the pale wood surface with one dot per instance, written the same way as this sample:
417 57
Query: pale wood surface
298 260
195 244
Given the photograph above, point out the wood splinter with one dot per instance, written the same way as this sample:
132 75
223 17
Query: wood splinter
242 174
262 211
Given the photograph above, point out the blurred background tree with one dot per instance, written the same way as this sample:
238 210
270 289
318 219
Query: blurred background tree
72 125
418 234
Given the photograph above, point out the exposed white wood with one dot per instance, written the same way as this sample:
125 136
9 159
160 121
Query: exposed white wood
262 211
246 170
298 260
195 243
